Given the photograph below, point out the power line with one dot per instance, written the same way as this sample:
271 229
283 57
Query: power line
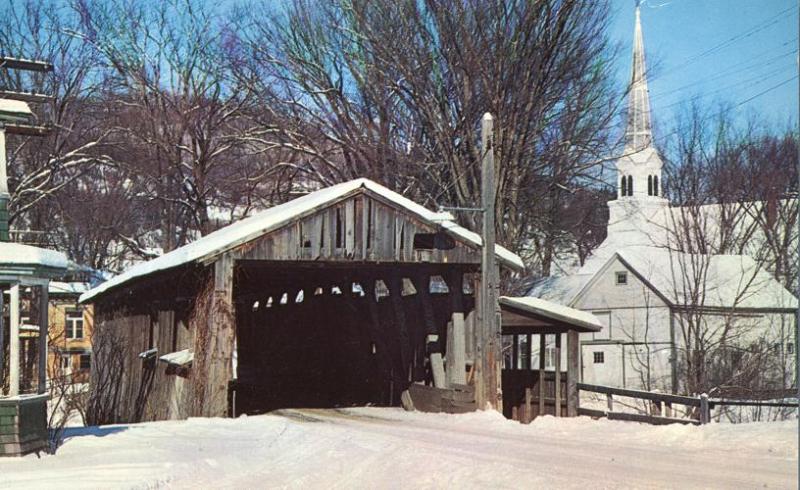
753 30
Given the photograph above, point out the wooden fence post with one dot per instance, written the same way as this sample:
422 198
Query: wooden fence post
705 413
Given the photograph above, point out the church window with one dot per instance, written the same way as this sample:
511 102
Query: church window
630 185
655 185
599 357
649 185
623 187
621 278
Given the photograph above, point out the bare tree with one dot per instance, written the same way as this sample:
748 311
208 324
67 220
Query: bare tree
395 90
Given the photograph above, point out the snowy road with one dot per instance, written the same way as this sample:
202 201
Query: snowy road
388 448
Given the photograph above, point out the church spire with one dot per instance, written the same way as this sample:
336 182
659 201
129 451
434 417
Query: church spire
638 134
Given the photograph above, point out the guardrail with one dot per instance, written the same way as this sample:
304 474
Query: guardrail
701 406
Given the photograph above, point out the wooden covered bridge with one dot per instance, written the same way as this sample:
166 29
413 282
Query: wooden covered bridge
345 296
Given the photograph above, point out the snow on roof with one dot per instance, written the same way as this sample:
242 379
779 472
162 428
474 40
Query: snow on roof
554 311
19 254
15 107
58 287
721 281
278 216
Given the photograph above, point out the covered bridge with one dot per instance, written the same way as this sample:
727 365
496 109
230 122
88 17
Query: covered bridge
341 297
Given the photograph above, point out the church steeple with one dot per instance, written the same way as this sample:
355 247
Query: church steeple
638 134
639 169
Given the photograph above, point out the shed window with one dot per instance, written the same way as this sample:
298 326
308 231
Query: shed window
74 325
86 361
599 357
621 278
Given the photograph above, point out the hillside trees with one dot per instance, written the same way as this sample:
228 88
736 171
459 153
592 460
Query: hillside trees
197 113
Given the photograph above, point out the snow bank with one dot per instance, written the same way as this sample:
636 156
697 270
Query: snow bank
389 448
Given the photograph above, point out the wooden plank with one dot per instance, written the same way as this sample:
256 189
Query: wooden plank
590 412
469 338
458 354
437 367
573 371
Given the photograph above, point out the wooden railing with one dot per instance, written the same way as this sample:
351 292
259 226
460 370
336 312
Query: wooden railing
663 413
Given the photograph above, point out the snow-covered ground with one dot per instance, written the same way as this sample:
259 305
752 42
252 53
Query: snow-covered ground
389 448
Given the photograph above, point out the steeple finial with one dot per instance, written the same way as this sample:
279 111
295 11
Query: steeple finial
638 134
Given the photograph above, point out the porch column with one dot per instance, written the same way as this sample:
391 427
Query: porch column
44 328
2 335
13 342
573 368
542 348
557 359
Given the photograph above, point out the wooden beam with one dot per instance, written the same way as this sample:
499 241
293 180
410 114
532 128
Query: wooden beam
25 96
27 129
25 64
573 370
221 334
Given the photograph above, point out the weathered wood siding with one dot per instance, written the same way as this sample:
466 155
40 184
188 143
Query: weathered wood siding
361 228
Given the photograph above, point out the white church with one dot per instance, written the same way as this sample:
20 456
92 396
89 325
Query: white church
663 306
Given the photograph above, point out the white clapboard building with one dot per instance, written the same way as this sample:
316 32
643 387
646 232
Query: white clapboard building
656 296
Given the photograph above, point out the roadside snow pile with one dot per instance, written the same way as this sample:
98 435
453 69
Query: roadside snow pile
389 448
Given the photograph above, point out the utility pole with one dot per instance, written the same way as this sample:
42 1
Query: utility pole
490 326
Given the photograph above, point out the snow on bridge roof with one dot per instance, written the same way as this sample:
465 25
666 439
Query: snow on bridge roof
279 216
554 311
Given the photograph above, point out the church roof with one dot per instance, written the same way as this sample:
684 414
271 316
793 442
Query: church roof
710 281
682 279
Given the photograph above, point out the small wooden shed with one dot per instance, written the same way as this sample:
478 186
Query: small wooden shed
341 297
534 379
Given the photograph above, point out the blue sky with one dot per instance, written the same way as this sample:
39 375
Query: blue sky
720 50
